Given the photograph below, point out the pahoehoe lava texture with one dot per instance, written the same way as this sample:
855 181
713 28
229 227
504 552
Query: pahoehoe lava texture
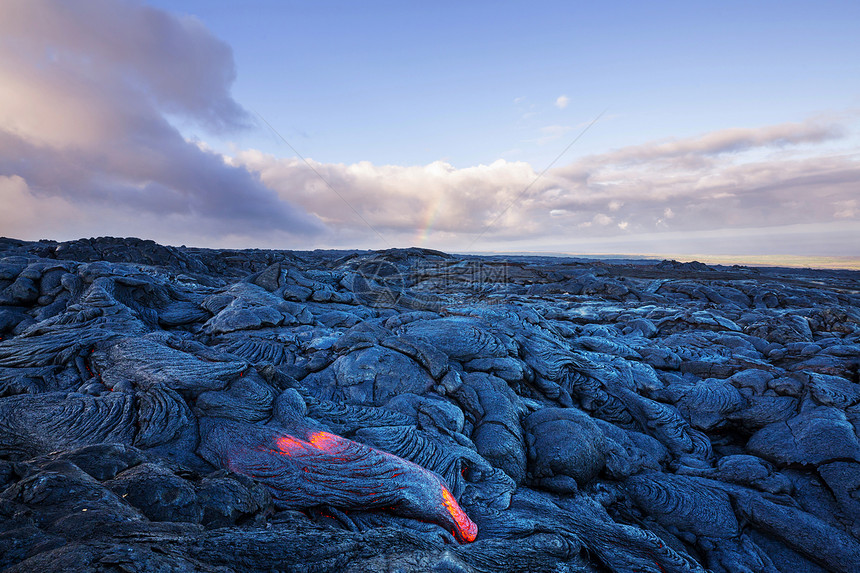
184 409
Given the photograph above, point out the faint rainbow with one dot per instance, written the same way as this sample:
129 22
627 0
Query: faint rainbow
431 213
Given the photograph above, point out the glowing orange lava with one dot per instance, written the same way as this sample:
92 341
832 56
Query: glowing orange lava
467 529
324 443
290 445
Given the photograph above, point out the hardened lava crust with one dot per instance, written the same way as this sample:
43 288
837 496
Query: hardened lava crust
186 409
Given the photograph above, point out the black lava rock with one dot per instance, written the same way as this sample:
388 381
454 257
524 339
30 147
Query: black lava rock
183 409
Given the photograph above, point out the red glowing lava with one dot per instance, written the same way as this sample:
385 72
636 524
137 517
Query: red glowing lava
339 448
326 441
321 441
467 530
290 445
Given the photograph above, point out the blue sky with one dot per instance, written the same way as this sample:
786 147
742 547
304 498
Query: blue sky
469 82
727 128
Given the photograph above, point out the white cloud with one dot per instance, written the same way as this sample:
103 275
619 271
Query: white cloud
403 201
562 101
84 102
699 151
847 209
23 210
767 183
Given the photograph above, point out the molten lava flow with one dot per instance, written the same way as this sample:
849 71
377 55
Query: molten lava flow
322 441
306 468
466 528
290 445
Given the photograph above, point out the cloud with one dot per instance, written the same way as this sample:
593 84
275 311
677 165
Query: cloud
17 221
562 101
742 178
85 93
736 140
775 177
602 219
847 209
402 202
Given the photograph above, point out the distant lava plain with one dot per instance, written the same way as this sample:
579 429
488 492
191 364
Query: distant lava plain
186 409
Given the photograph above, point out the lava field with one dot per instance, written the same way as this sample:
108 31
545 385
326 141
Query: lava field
187 409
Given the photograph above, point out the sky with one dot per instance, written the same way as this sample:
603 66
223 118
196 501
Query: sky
728 128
